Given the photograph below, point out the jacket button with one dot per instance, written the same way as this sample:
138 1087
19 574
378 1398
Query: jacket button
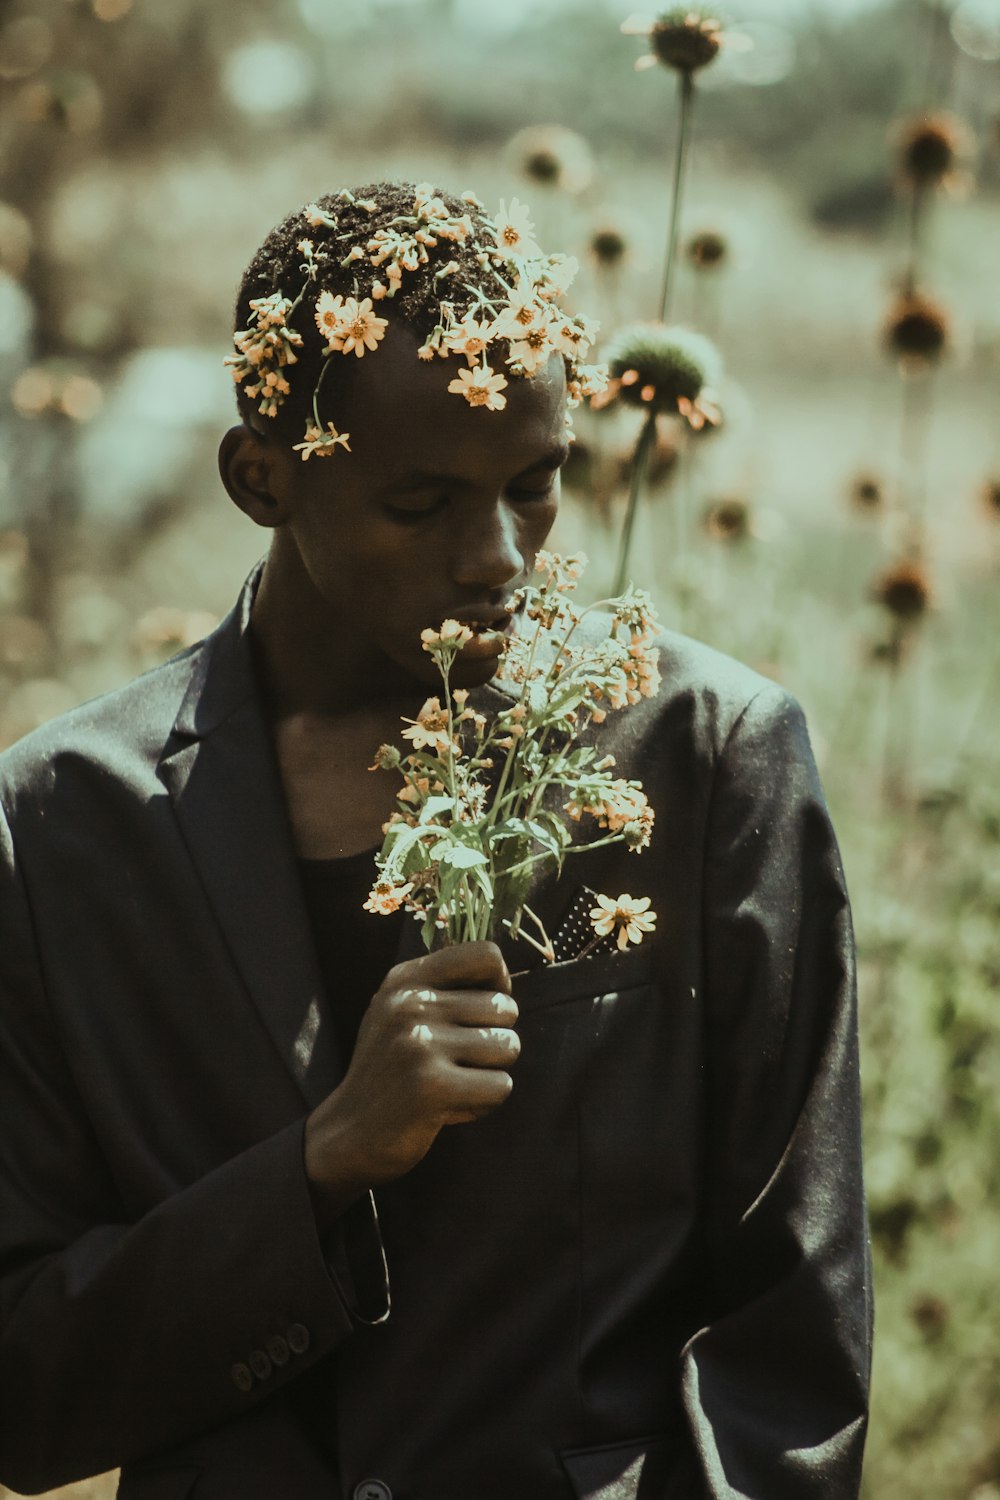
372 1489
260 1364
242 1378
277 1348
298 1338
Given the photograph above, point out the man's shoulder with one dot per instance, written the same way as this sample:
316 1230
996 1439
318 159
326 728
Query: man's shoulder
121 729
701 697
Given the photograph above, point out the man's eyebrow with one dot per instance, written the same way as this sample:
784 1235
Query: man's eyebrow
554 459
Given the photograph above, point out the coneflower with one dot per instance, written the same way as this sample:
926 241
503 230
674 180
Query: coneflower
554 156
706 251
929 149
680 38
904 589
917 329
664 369
728 520
608 246
683 40
867 492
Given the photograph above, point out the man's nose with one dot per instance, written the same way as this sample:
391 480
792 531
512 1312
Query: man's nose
485 551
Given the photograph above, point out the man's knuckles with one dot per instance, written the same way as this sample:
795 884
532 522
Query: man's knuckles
470 965
415 1004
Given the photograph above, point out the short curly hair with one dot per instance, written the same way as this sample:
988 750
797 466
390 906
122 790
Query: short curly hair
460 281
277 268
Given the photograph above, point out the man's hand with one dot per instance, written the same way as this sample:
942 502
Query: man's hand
433 1050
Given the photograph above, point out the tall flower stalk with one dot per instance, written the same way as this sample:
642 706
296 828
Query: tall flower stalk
639 465
666 372
683 40
685 91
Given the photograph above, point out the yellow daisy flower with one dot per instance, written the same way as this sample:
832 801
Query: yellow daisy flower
532 350
323 443
480 387
470 337
385 897
349 325
629 917
515 233
429 730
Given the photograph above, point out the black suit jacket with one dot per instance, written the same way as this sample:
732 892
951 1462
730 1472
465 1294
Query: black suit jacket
645 1275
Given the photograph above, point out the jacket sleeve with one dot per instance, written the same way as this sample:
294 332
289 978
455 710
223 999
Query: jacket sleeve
119 1338
775 1384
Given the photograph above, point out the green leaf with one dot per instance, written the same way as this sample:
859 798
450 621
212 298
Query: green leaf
435 805
463 857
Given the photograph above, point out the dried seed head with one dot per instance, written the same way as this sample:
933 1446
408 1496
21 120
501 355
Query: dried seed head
917 329
608 246
903 589
930 147
554 156
707 250
867 493
685 40
728 520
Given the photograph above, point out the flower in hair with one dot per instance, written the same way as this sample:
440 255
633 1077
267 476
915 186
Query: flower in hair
470 337
512 299
349 325
480 387
514 231
323 443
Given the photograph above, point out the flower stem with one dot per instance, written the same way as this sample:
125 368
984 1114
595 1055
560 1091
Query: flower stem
685 82
639 462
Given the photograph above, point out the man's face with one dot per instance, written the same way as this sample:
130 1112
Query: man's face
437 511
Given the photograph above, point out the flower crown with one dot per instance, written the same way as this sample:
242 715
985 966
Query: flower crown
518 306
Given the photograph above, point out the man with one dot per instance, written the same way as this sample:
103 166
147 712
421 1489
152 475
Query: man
292 1209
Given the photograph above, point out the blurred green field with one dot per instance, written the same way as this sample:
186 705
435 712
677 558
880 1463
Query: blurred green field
117 543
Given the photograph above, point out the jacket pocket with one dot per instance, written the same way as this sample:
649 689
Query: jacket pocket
583 978
636 1470
175 1482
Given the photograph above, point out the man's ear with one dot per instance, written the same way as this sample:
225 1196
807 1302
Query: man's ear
255 476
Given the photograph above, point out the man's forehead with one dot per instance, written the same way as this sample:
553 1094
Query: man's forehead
403 413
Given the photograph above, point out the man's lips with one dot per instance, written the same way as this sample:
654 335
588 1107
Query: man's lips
499 620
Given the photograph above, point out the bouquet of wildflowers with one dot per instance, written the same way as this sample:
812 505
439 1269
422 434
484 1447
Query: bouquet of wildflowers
472 821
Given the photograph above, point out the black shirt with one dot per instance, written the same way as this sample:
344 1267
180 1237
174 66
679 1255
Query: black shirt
356 948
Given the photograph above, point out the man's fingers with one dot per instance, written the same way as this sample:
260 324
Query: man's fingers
464 965
477 1091
485 1046
457 1007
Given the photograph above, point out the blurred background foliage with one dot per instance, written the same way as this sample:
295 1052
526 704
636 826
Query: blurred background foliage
840 530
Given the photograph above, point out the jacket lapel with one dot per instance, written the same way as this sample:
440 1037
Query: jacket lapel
220 770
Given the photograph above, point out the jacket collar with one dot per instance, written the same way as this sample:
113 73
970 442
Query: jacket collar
222 775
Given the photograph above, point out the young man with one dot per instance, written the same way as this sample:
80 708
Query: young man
290 1208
